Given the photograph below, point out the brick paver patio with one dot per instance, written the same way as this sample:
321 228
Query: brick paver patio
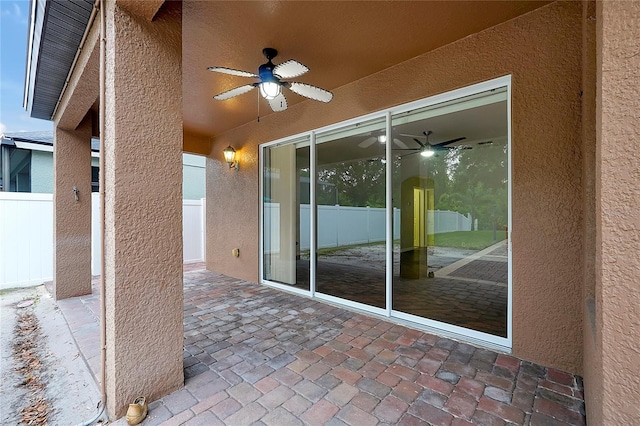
256 355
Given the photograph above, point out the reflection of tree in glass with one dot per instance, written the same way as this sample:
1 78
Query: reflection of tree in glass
469 181
476 184
470 201
357 183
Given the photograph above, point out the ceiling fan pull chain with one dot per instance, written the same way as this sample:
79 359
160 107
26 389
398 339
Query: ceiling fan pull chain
258 107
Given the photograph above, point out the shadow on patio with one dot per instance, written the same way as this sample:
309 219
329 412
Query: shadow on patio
256 355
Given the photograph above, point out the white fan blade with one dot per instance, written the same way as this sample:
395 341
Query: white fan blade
279 103
234 92
400 144
311 92
231 71
290 69
368 142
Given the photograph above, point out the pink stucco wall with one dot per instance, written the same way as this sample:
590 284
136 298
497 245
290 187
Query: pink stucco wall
615 390
143 206
542 50
71 217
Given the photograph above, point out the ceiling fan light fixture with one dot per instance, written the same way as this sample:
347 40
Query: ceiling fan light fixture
270 89
382 138
427 153
271 82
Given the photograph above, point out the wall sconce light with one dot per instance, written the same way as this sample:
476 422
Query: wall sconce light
230 157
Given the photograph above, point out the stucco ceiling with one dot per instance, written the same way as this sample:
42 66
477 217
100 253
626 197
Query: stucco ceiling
340 42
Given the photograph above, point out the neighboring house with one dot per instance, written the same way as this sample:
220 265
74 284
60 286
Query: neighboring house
548 90
26 164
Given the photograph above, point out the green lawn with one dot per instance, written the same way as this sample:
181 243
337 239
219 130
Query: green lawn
331 250
476 240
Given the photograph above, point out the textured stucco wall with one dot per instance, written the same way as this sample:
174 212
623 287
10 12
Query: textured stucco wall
618 220
143 197
146 9
71 218
42 172
592 363
82 91
542 52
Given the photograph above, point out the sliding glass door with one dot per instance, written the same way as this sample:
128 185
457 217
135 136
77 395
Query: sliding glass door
286 228
451 207
404 213
350 211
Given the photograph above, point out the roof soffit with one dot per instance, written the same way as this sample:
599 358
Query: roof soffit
57 30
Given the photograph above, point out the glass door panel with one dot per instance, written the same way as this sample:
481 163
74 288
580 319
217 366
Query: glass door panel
350 197
286 214
450 195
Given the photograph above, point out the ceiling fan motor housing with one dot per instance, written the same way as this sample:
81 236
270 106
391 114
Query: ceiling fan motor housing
269 53
265 71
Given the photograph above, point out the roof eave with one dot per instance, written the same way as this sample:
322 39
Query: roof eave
55 33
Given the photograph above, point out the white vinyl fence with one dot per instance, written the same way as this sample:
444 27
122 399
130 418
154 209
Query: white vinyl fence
448 221
193 230
26 237
342 226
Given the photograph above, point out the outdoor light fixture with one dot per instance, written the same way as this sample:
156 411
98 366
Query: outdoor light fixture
230 157
270 90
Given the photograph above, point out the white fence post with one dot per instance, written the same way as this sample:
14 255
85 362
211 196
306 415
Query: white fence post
96 244
203 226
192 231
337 222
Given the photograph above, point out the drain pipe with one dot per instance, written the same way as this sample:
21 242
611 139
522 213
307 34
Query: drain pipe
103 327
103 315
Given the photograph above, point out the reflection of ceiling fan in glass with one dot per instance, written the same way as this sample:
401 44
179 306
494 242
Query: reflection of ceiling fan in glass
427 149
381 139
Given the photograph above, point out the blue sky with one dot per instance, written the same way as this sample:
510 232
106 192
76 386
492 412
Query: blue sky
14 15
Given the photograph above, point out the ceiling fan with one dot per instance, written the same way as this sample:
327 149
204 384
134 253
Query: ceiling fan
427 149
271 82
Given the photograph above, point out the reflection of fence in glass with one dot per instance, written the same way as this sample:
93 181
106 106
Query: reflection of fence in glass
343 226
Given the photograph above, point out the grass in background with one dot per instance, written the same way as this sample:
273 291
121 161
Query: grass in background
473 240
476 240
331 250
